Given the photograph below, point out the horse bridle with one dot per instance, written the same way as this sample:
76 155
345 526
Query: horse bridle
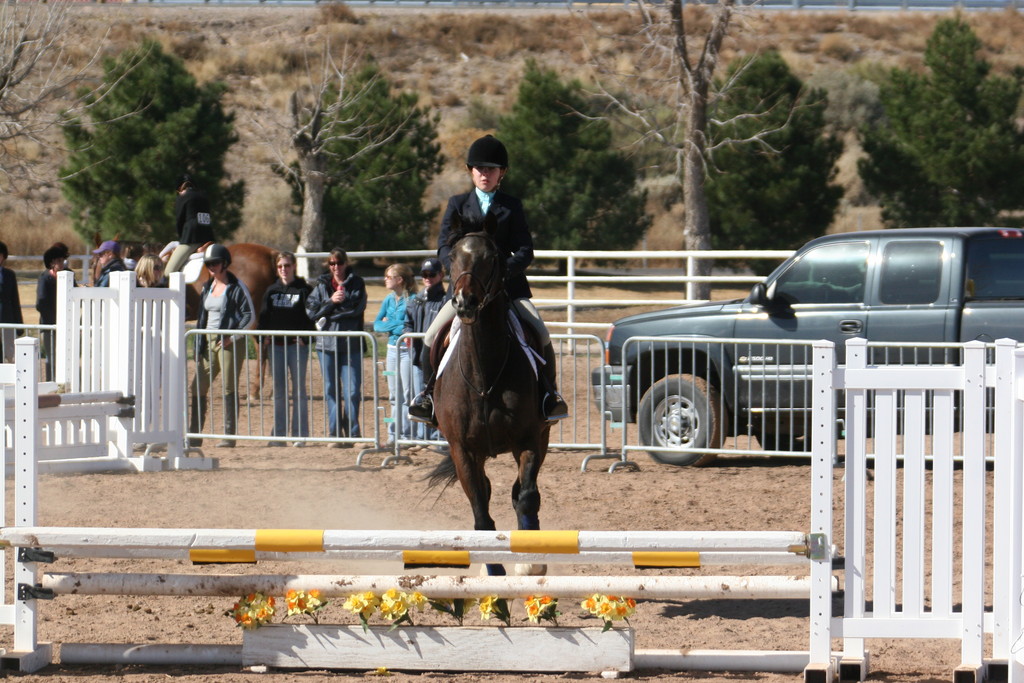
491 292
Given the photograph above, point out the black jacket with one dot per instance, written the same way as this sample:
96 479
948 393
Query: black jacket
344 317
513 235
284 308
192 215
10 301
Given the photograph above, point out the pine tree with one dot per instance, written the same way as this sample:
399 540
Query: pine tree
773 190
148 124
578 192
949 151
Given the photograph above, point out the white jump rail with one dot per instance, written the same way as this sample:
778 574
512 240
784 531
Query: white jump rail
33 542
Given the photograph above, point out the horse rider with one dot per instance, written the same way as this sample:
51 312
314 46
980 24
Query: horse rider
192 216
487 163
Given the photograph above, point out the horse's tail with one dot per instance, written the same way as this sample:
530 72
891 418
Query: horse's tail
443 474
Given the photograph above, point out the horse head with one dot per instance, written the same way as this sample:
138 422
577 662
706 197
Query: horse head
478 268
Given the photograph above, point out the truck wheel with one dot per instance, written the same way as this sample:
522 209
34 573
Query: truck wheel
681 411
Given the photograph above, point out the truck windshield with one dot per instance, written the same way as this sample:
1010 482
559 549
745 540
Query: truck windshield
995 269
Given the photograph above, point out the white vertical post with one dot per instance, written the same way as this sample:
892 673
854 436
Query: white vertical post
855 532
973 610
1006 489
823 434
121 341
177 370
1015 513
26 497
570 309
63 346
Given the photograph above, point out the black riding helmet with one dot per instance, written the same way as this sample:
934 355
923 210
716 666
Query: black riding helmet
217 252
487 151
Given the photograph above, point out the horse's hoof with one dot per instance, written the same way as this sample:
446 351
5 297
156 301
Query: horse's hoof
531 570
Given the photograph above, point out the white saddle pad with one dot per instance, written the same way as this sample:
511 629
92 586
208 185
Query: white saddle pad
192 268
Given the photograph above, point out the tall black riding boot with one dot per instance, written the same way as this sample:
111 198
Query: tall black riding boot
230 412
195 420
552 405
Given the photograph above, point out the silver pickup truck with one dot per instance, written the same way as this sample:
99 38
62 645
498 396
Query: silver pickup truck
927 285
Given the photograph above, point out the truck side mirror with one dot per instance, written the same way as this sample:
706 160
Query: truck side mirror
759 295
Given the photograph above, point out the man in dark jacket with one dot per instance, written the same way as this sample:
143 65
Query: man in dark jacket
109 255
487 163
195 225
10 306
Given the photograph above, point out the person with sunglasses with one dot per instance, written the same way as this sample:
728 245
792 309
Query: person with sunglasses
284 308
337 304
225 305
487 164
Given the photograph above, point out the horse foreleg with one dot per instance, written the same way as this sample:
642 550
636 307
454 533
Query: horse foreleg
477 487
526 501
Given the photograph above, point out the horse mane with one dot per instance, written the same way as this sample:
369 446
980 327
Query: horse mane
460 227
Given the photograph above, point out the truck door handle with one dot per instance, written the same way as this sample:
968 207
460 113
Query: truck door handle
850 326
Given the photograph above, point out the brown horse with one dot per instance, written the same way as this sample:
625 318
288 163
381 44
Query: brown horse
253 264
486 399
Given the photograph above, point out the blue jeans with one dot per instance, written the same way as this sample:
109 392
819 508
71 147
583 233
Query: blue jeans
398 365
342 369
290 360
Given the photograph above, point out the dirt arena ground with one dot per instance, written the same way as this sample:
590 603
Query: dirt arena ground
256 487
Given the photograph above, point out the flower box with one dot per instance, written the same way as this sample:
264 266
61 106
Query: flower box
439 648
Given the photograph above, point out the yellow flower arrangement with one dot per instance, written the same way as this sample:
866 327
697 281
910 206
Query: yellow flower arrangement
610 608
542 608
493 606
253 610
395 605
363 604
302 602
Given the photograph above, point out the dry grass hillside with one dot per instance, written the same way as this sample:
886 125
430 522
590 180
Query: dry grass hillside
459 61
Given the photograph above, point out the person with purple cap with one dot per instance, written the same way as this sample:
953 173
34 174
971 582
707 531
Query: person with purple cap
109 256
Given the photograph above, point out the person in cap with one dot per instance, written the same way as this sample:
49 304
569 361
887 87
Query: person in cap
194 223
487 164
225 305
420 312
109 256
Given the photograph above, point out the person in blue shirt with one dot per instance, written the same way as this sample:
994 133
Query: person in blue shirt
401 285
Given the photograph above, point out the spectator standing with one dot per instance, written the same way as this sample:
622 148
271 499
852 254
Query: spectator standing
284 308
337 304
55 259
193 220
149 271
225 304
401 285
109 255
10 306
420 312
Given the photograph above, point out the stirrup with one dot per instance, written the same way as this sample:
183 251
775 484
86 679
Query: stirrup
422 410
554 407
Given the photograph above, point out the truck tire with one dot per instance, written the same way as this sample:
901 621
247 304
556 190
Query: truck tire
681 411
